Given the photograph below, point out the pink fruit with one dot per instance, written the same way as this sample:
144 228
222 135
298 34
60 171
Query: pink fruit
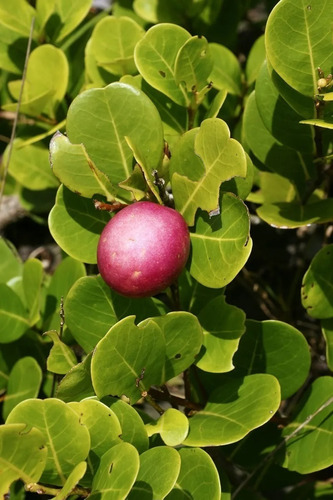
143 249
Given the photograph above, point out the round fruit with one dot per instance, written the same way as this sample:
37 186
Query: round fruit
143 249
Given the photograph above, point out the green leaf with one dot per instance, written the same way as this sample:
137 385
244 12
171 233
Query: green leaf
73 167
33 276
276 157
326 122
234 409
293 215
327 329
22 455
172 427
112 44
76 384
13 317
104 429
226 72
23 383
183 338
255 59
10 262
222 159
122 361
92 308
15 31
30 166
276 348
67 441
159 470
193 65
73 479
116 474
221 243
279 118
298 41
59 17
61 357
107 120
66 274
102 423
76 225
316 436
198 477
155 57
317 285
223 326
133 428
42 95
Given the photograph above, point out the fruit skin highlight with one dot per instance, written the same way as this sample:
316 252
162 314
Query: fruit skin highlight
143 249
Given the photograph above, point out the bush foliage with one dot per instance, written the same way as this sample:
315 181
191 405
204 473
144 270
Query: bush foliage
221 386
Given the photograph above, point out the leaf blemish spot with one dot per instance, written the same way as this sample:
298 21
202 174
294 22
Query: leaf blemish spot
162 73
110 468
178 356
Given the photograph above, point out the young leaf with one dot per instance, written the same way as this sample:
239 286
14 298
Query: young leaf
255 60
24 382
277 348
67 441
42 95
221 243
76 225
298 41
73 167
198 476
61 357
23 455
112 44
234 409
158 473
222 158
122 363
116 474
316 436
223 326
317 285
155 57
172 427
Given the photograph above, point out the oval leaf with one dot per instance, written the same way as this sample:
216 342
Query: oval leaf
122 363
277 348
221 243
159 470
235 409
67 441
172 427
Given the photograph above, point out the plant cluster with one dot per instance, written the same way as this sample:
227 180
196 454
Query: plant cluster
220 385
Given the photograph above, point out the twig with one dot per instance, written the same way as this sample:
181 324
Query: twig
12 137
47 490
280 445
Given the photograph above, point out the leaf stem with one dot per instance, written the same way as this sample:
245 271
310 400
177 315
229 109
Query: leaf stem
271 455
47 490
